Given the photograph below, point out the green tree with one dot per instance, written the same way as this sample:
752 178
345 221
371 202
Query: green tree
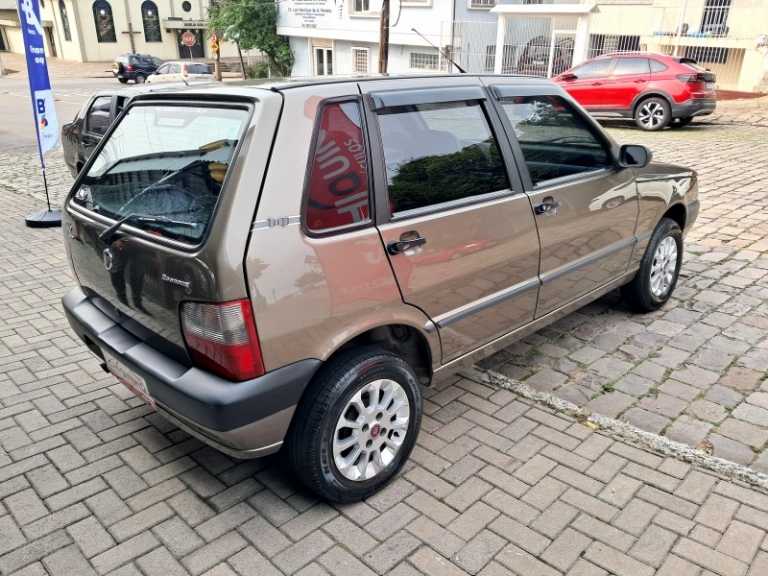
254 24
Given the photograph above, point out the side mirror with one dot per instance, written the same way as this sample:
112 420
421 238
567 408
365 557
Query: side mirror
568 76
634 156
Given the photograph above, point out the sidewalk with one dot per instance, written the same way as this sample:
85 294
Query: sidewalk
16 67
93 482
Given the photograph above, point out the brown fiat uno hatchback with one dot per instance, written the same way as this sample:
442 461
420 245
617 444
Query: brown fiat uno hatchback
283 265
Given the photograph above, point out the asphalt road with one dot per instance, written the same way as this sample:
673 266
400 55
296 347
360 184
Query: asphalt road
17 128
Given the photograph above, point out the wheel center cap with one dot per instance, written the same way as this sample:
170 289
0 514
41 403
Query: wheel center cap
375 430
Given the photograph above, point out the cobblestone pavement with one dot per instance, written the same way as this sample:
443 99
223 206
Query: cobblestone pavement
93 482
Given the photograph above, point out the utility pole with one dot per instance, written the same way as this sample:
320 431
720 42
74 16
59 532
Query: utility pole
214 5
384 37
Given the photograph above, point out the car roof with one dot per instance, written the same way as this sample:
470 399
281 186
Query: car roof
136 90
252 88
679 59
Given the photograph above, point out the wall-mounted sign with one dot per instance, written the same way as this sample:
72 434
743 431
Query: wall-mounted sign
309 13
199 24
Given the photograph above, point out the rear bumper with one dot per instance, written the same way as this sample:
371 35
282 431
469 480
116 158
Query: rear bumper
244 419
694 107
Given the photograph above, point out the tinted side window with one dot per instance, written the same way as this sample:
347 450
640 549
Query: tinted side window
338 185
174 69
437 153
197 68
594 69
555 141
98 115
657 66
626 66
163 69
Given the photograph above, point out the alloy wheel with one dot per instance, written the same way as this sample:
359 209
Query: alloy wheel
651 114
664 266
371 429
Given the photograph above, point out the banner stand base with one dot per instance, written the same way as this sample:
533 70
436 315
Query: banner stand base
44 219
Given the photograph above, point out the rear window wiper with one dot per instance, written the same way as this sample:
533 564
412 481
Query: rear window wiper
107 235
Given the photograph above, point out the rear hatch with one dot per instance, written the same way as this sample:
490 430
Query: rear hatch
142 229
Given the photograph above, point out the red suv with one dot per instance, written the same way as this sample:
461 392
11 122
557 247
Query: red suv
653 89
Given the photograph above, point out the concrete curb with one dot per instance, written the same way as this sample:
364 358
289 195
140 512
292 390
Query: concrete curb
654 442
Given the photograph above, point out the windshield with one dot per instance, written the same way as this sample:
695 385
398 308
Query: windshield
168 161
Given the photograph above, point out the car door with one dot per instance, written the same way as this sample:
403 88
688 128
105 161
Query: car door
454 220
586 209
585 83
629 78
97 121
163 74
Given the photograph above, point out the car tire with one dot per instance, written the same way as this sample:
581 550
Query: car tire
652 114
139 78
659 269
122 80
680 122
342 443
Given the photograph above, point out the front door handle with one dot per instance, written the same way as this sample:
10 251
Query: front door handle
547 208
400 246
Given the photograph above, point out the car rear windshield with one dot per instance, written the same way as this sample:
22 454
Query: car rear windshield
164 166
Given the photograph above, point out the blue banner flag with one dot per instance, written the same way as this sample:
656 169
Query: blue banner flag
39 83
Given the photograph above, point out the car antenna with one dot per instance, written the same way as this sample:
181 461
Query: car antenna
440 51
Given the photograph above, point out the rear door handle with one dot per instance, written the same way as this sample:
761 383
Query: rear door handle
400 246
547 208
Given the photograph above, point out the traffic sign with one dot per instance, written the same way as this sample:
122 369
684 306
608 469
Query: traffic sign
188 39
214 39
215 55
214 47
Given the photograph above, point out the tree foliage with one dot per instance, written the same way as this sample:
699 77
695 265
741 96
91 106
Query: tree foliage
253 24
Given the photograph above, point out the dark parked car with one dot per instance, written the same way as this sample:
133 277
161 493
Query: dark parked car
135 67
535 58
80 136
654 89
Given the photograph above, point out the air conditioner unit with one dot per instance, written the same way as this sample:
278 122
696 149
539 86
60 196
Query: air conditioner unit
762 39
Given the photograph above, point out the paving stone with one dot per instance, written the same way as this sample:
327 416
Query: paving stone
645 420
708 558
688 431
751 414
653 545
391 552
611 404
707 411
743 432
479 551
731 450
68 561
724 396
616 562
739 378
741 541
213 553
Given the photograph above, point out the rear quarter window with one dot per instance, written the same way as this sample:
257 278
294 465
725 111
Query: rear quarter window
337 195
166 161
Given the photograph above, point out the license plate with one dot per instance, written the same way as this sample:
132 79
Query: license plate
130 379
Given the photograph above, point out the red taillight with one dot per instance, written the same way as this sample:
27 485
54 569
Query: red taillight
222 338
129 68
185 71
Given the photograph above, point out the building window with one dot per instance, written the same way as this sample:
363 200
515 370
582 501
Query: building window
65 21
105 23
713 21
186 6
425 61
360 60
362 7
482 3
151 21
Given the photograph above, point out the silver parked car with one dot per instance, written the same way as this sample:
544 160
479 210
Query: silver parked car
284 265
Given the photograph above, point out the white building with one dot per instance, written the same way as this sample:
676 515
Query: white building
342 36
